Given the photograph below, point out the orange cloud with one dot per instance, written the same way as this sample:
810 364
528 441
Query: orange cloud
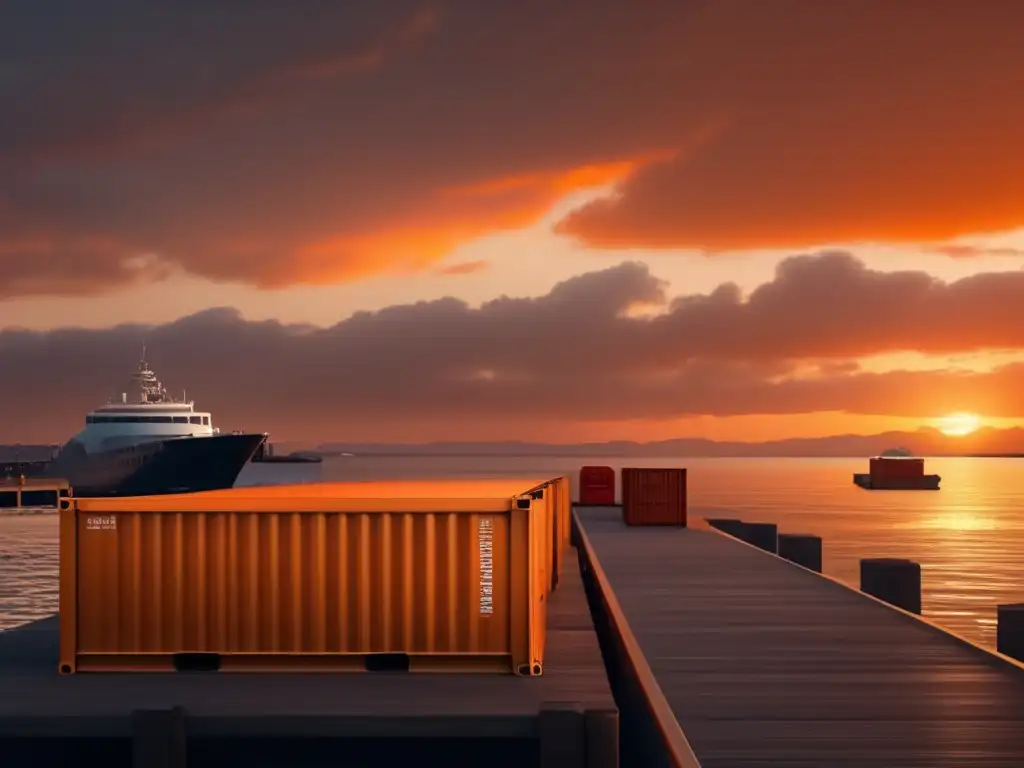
554 185
465 268
446 218
377 139
955 251
54 264
902 128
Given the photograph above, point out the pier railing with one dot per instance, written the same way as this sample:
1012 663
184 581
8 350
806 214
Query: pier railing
649 731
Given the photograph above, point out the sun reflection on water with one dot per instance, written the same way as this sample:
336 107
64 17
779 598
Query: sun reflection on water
958 520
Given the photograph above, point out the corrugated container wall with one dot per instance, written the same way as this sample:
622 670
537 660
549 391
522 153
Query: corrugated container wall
626 473
557 496
886 467
564 523
402 489
413 488
315 583
654 496
597 486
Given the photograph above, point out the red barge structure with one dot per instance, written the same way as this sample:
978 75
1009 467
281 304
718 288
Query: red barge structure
897 471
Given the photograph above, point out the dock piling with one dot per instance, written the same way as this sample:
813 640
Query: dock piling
158 738
729 525
1010 630
802 549
602 729
892 580
761 535
563 735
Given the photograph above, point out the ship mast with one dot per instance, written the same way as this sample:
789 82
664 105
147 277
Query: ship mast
150 388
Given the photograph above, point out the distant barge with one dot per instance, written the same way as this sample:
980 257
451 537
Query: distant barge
923 483
896 473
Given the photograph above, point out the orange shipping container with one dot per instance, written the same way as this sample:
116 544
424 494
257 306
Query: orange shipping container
564 522
557 498
654 496
345 577
479 488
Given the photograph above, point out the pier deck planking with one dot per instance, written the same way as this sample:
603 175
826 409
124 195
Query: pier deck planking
232 708
765 664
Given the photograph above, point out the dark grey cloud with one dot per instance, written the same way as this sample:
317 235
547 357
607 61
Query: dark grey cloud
577 353
85 78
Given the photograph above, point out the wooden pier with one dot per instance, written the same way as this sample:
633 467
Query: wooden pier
563 719
719 655
764 663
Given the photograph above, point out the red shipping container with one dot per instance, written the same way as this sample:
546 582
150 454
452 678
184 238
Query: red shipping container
626 484
888 467
654 496
597 486
911 468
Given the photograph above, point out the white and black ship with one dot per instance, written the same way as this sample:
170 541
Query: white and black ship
151 444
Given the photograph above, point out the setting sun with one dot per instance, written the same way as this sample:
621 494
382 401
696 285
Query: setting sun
959 424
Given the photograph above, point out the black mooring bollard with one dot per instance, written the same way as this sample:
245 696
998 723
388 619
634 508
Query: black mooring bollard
762 535
892 580
1010 630
729 525
802 549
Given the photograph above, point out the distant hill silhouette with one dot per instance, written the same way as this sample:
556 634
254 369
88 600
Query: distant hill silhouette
923 442
11 453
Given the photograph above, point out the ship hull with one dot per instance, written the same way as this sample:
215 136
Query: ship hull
287 460
921 483
177 465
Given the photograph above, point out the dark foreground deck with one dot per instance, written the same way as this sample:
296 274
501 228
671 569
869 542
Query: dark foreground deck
566 718
766 664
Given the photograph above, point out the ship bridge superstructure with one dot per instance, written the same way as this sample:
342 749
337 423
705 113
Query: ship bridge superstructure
147 413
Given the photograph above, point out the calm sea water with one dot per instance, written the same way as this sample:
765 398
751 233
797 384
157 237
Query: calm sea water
968 537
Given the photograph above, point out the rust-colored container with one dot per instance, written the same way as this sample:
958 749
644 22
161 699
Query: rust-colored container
654 496
896 467
450 487
333 577
597 486
564 522
481 488
556 495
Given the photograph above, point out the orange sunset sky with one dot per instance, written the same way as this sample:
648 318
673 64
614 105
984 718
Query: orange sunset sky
458 220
